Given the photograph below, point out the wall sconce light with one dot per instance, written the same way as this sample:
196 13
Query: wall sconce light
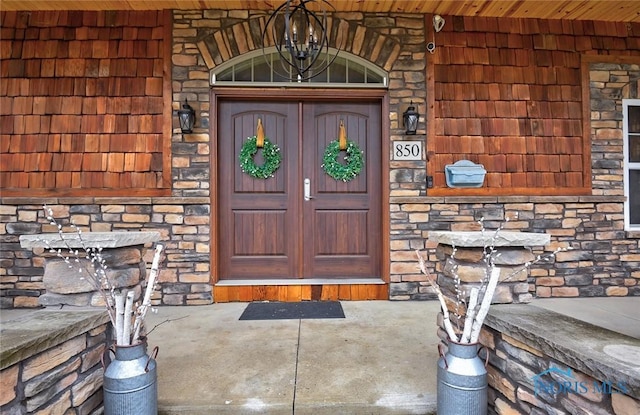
187 118
410 119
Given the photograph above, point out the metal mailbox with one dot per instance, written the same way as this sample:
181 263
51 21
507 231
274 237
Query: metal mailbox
464 173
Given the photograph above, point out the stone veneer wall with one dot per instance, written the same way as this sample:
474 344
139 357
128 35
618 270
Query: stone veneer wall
609 84
458 272
605 261
592 226
57 370
123 254
184 232
541 362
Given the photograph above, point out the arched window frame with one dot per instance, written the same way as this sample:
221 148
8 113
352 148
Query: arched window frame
249 61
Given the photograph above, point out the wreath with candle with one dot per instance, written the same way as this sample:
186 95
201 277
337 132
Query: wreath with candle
354 159
270 153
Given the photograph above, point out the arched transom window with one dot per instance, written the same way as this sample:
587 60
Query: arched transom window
252 69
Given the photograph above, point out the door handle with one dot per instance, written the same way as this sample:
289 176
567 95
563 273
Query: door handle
307 189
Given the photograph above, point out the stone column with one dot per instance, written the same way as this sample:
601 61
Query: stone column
65 284
468 263
462 264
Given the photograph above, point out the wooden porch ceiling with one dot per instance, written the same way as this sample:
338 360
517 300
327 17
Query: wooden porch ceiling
608 10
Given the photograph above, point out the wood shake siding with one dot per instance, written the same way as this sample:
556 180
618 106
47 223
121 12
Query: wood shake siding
82 102
510 96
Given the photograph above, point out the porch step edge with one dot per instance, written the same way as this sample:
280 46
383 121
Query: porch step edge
311 281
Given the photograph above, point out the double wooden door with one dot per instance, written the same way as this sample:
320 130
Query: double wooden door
275 229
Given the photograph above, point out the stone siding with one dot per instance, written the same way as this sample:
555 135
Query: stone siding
204 39
609 83
545 363
57 371
184 275
604 260
71 278
467 268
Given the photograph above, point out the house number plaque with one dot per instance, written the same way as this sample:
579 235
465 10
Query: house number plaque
407 150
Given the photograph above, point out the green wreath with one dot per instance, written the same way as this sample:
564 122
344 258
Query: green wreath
270 152
337 170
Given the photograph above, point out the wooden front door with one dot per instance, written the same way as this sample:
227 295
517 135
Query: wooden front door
267 228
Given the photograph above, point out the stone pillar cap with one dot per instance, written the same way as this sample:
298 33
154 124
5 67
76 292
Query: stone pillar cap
88 239
472 239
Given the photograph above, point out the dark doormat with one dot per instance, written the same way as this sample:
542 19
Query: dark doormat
287 311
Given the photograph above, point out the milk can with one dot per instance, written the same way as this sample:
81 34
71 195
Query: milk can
462 381
130 382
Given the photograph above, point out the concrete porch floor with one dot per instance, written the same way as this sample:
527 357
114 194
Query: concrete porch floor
380 359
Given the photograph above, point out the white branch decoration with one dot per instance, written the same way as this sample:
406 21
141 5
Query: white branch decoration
119 327
128 316
443 305
471 314
485 304
120 305
480 297
146 301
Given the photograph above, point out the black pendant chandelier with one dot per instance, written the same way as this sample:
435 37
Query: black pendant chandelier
301 39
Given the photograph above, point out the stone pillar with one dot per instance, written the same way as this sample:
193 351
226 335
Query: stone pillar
462 265
65 284
469 266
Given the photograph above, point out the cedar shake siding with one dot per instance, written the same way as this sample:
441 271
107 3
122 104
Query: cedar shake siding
82 103
510 96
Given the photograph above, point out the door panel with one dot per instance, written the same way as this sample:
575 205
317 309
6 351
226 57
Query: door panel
257 236
267 229
333 241
262 233
342 222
